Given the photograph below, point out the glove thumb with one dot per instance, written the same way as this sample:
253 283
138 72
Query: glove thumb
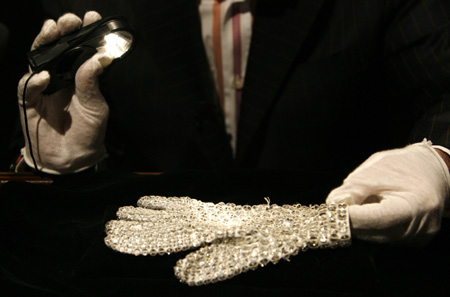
86 81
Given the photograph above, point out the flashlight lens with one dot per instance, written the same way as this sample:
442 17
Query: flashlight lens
117 43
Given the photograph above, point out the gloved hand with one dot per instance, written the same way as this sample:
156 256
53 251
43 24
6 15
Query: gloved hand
66 128
237 238
397 196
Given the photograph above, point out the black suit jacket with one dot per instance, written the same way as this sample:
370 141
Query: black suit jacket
328 83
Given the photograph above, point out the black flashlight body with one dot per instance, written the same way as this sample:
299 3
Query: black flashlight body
63 58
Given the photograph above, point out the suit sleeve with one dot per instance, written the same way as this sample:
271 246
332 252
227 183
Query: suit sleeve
417 51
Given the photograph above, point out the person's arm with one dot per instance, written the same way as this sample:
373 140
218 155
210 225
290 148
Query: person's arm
397 196
400 195
444 153
445 157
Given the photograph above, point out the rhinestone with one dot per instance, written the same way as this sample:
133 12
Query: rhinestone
235 238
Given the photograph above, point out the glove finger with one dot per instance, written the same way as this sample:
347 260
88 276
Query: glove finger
86 77
386 221
86 82
132 213
68 23
51 30
171 203
354 194
35 87
216 262
48 34
229 257
91 17
147 238
229 217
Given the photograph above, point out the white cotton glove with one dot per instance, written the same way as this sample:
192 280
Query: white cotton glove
397 196
66 128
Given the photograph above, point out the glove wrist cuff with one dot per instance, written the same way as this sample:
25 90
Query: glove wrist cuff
69 167
445 169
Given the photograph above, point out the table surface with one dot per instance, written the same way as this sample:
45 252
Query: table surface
25 176
52 233
36 179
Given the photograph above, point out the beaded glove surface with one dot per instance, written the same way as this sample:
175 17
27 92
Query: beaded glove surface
235 238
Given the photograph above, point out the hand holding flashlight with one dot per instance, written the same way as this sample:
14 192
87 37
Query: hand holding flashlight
67 127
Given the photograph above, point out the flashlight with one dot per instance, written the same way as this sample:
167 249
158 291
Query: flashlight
61 59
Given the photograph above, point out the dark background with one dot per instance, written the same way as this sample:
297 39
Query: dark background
23 20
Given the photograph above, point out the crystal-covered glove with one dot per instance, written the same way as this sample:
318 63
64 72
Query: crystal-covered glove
398 196
235 238
66 128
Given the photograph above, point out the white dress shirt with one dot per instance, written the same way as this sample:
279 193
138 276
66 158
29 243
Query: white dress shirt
226 30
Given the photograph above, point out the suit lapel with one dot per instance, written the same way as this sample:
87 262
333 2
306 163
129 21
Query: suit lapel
279 31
